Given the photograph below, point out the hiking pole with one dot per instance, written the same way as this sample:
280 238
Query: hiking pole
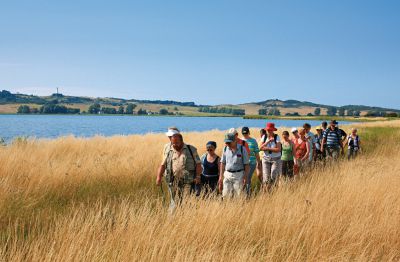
162 193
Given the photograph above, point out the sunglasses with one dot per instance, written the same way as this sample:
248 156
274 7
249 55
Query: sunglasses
210 149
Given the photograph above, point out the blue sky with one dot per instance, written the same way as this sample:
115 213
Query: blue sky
210 52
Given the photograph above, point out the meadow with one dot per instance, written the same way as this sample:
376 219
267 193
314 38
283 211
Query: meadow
76 199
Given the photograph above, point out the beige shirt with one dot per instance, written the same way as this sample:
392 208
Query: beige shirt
181 159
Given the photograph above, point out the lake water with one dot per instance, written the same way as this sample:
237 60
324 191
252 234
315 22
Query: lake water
52 126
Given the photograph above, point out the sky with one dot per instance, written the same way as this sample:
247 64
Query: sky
210 52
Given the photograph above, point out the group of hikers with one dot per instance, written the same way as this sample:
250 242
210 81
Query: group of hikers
270 157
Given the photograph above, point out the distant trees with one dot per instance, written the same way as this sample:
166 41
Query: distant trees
142 112
121 110
310 114
331 111
94 109
58 109
269 111
163 111
129 109
317 111
292 114
108 110
342 111
48 109
392 114
23 109
372 113
223 110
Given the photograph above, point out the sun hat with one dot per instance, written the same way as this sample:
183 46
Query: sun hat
211 143
270 127
318 128
294 129
245 130
229 137
232 131
172 132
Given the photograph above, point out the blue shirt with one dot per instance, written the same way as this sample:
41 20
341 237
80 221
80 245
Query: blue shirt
235 160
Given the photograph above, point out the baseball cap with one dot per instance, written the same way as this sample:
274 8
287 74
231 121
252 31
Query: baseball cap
211 143
318 128
229 137
294 130
245 130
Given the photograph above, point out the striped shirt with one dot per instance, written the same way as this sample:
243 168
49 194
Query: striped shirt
333 137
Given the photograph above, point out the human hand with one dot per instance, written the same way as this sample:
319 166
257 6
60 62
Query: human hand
158 180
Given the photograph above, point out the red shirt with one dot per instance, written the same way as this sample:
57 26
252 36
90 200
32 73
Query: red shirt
246 145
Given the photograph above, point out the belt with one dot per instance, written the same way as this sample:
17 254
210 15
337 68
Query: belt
235 171
205 175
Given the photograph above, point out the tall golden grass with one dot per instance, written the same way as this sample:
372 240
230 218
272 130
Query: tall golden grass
74 199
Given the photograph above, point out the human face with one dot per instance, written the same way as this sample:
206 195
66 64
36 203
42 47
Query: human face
270 132
177 141
210 149
296 134
285 136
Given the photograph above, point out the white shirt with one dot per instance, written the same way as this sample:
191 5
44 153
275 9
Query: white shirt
271 144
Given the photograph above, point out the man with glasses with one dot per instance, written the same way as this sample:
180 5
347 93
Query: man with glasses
234 167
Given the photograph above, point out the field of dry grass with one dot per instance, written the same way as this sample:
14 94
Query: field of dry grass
94 199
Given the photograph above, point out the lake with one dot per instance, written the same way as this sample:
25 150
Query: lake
53 126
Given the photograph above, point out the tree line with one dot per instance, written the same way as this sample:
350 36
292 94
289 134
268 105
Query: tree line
223 110
47 109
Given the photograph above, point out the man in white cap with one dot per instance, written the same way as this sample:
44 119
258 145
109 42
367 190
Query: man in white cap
181 167
173 130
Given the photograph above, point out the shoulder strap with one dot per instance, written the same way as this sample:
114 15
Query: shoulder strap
191 153
265 138
241 150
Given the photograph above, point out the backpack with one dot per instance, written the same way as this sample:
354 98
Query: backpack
241 150
275 138
353 142
169 176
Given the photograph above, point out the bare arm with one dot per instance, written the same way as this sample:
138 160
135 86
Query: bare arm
160 174
323 143
308 151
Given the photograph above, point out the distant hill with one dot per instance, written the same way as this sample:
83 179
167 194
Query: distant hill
9 103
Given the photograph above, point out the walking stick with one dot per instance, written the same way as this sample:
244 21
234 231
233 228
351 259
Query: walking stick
163 194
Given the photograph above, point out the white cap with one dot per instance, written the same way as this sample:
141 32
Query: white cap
232 131
172 132
294 130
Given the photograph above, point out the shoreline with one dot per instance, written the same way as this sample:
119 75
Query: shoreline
248 117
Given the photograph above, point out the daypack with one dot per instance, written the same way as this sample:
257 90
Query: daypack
169 171
353 142
241 150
